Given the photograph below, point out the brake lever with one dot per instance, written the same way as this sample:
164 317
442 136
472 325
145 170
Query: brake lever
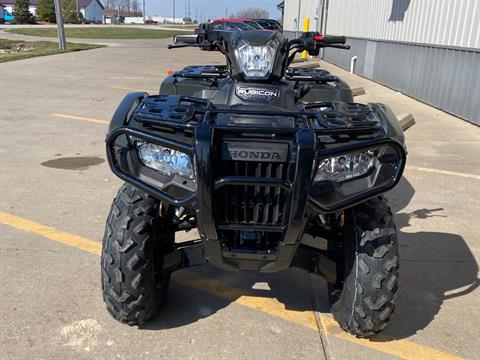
344 47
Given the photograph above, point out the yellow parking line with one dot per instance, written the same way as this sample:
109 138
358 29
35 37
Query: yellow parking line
50 233
134 89
401 348
80 118
443 172
228 292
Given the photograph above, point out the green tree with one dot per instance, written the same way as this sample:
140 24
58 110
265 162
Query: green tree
69 11
46 11
22 13
252 13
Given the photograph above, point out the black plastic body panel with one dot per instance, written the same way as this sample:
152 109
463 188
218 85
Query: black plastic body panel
212 82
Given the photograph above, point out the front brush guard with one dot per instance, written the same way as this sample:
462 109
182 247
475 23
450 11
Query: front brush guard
309 128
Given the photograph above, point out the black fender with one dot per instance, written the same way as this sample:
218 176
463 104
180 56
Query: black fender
122 115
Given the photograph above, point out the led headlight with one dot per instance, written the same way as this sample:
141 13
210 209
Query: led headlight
165 160
256 62
346 166
343 179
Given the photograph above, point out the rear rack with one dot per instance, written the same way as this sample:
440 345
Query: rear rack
203 72
314 75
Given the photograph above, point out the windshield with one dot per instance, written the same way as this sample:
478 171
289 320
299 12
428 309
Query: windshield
254 25
231 26
269 24
237 26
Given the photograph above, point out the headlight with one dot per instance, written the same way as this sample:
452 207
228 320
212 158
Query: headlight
345 179
346 166
256 62
165 160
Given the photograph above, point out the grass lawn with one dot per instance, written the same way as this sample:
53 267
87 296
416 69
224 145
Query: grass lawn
11 50
100 33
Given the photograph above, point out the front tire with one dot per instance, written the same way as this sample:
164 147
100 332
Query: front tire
133 284
367 299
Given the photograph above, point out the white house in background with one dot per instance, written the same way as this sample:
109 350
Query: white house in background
9 4
92 10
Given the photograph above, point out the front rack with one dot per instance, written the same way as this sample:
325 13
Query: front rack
325 118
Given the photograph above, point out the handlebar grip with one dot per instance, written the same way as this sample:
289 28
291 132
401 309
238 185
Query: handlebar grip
185 39
329 39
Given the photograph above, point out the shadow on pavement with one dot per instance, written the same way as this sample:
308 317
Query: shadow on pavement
434 267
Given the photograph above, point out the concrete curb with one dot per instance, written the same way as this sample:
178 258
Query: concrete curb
305 64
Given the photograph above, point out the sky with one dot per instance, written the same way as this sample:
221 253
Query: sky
209 9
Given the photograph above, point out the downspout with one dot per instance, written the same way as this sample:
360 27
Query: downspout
324 22
298 18
322 8
353 62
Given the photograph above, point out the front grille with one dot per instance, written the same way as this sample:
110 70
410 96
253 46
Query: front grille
251 204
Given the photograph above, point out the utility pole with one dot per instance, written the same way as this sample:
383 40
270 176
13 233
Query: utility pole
60 29
143 11
226 13
173 11
78 15
196 15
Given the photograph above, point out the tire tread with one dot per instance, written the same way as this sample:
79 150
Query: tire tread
372 265
129 288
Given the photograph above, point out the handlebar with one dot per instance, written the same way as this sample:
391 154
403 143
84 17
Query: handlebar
330 39
212 40
312 42
343 47
185 39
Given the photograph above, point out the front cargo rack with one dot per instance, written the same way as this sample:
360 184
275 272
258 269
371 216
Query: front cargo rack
182 112
171 111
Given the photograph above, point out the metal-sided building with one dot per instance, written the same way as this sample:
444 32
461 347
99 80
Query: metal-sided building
428 49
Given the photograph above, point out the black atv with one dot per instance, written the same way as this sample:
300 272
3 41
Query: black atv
274 166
